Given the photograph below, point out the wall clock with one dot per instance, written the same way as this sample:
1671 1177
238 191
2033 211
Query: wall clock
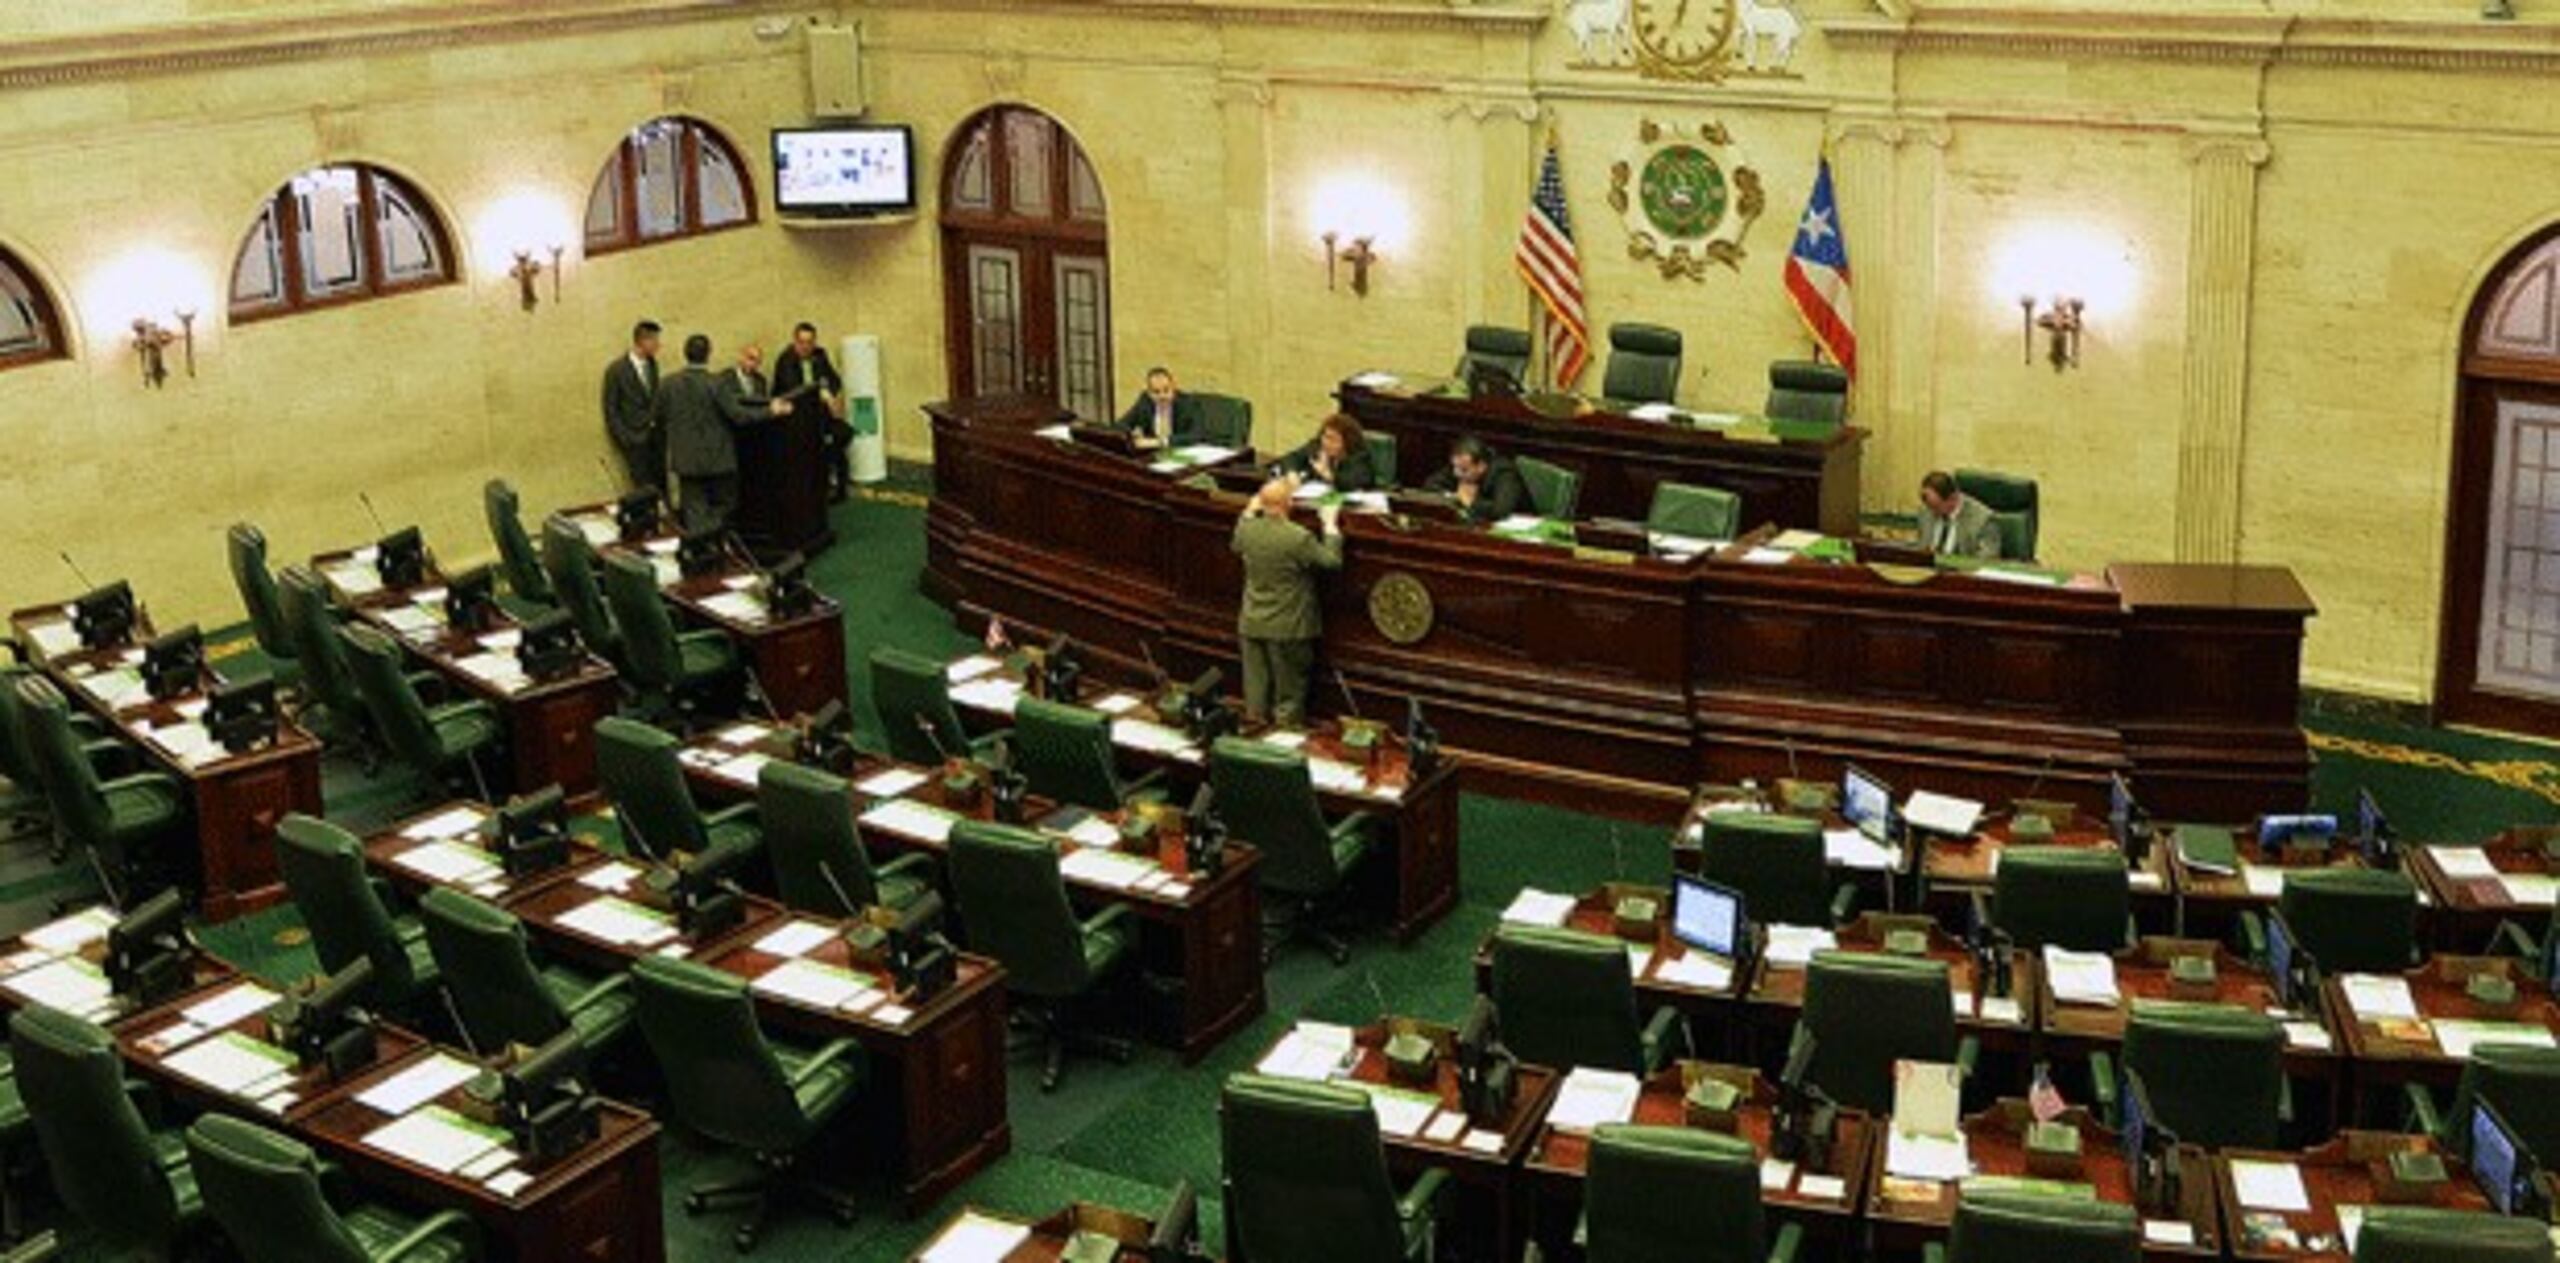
1682 39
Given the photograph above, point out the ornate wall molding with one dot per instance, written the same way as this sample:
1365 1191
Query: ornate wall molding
2176 34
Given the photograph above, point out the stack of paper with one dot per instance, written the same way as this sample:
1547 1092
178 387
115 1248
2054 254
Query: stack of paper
436 1138
452 822
503 641
812 983
1793 946
1152 737
1672 547
115 689
187 741
1942 814
52 640
1374 380
620 922
974 1238
1093 831
743 607
741 735
2273 1186
502 671
2458 1038
438 1074
1795 540
1695 969
1853 849
2081 977
451 864
1520 524
890 782
613 875
668 571
1590 1098
2463 863
1767 556
1313 1051
970 668
1312 489
599 528
1655 412
1365 501
210 1014
70 984
1913 1156
1336 776
234 1065
1107 868
71 933
795 938
413 622
744 768
1117 703
1533 906
996 693
2379 997
908 818
2531 890
1401 1111
353 577
2263 881
1285 738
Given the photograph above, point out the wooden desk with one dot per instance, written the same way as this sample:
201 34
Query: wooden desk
438 846
1907 1213
2475 887
2209 902
59 964
151 1039
593 876
602 1202
235 799
550 724
2336 1176
782 466
2391 1051
1666 977
1970 865
1780 989
2142 973
1047 1240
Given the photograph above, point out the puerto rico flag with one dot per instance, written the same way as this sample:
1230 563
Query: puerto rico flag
1818 275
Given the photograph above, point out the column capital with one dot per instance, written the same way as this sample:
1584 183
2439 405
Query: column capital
1241 89
2249 148
1483 106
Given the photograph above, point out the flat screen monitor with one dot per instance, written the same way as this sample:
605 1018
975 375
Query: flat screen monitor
843 172
2280 961
1706 917
1866 802
2373 830
2120 807
2498 1160
2135 1129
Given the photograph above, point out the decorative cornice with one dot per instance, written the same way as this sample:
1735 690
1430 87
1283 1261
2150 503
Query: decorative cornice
2229 36
1510 16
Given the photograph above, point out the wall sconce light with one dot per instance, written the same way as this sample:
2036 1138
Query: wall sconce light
2061 323
2498 10
528 268
1362 252
151 341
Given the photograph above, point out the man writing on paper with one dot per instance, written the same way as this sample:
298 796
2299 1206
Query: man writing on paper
1485 487
808 380
1953 523
1164 416
701 411
1282 615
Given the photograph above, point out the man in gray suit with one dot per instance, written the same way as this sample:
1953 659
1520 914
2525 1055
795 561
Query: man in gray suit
1953 523
701 413
631 416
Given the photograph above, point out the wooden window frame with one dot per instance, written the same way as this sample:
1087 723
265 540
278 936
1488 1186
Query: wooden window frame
624 168
288 221
48 319
1060 223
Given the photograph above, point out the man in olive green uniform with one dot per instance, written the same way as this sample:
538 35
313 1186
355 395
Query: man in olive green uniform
1282 615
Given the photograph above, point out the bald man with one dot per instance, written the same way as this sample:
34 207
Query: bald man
1282 615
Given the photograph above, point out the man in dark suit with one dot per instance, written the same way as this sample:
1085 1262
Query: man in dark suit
702 413
631 417
1485 487
1164 414
806 365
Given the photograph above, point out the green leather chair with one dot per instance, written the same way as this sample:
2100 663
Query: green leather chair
1224 419
1644 365
1777 864
1014 902
1566 999
349 920
24 802
1804 390
674 672
569 562
909 691
1505 349
1305 1178
1554 491
516 558
819 863
732 1086
2005 1227
500 995
637 768
247 548
2522 1083
2424 1234
1677 1195
18 1150
1866 1011
265 1191
331 706
2352 920
133 827
1697 512
436 742
2214 1073
2077 898
129 1187
1267 798
1382 456
1064 753
2012 501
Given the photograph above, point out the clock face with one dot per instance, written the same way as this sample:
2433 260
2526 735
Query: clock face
1683 192
1683 32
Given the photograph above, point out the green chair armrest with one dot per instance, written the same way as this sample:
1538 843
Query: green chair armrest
111 758
1790 1239
2284 1099
981 745
917 862
1417 1200
2424 1120
2102 1085
1356 822
2514 939
450 711
1844 903
1968 1052
150 782
610 986
1107 918
1657 1037
1981 907
430 1228
1934 1252
432 688
1150 781
731 814
835 1051
2253 938
1582 1231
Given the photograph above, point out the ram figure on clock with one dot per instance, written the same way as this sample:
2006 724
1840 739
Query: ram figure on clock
1686 197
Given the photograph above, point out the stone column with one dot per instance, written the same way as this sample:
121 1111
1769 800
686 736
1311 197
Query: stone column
2213 407
1244 108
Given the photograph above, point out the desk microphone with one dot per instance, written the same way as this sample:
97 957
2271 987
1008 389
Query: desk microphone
827 870
378 527
1345 685
1617 855
1792 773
1163 681
610 481
1376 993
76 571
2038 782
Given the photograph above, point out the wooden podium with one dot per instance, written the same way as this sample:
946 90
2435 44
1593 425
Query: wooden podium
782 483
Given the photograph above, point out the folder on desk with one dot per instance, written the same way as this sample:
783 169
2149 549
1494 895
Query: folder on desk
2207 848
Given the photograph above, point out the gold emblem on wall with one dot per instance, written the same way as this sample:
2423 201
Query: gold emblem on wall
1694 41
1687 198
1400 608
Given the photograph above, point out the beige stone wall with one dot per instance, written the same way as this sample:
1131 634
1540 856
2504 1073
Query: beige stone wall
2288 204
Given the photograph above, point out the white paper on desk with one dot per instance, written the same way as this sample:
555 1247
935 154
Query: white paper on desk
908 818
1941 813
1481 1140
2463 862
743 769
610 875
355 578
1117 704
2031 578
667 569
1853 849
1060 433
971 667
1312 489
600 529
740 736
410 620
1793 946
1776 1176
2376 997
417 1085
1400 1111
2308 1035
1679 547
230 1005
1519 523
2002 1009
1110 869
1365 501
1094 831
1375 380
996 693
1654 412
1695 969
1912 1156
974 1238
1822 1188
1639 957
1285 738
70 984
116 689
1533 906
2172 1232
509 1182
71 933
1445 1128
890 782
1312 1052
451 822
52 640
232 1064
1795 540
1590 1098
742 607
2533 890
2269 1185
1149 736
2139 879
812 983
504 641
2081 977
1767 556
1336 776
795 938
2350 1222
435 1138
1205 453
620 922
2262 881
2458 1037
450 863
1926 1097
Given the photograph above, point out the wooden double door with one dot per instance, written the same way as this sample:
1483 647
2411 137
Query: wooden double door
1026 263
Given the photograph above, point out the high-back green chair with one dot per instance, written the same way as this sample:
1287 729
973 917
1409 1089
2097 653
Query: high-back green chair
331 706
1566 999
264 1189
1305 1177
569 562
674 671
1064 753
323 867
1554 491
516 557
819 863
247 548
436 742
2012 501
1267 797
2077 898
1697 512
1866 1011
2520 1081
738 1089
500 995
1499 347
909 692
2352 920
2425 1234
24 802
2213 1073
2021 1227
1677 1195
1014 902
637 767
1776 863
1225 420
132 1190
1382 456
1644 365
133 827
1806 390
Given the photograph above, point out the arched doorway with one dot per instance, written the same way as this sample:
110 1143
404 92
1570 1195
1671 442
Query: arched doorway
1026 263
2500 661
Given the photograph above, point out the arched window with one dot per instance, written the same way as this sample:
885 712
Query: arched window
29 331
670 178
338 234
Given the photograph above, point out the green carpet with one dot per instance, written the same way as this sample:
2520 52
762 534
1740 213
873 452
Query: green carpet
1122 1135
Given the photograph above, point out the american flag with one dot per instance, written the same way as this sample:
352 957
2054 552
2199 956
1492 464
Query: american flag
1817 275
1547 260
2044 1099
